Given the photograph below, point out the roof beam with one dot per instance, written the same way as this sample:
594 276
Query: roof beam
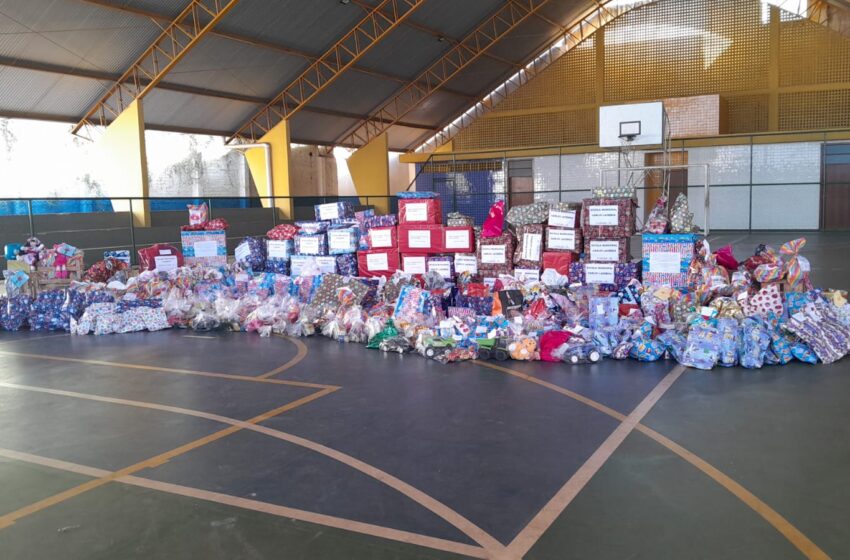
175 41
337 59
157 18
507 18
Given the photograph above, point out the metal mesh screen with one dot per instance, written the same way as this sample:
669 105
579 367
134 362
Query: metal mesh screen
469 187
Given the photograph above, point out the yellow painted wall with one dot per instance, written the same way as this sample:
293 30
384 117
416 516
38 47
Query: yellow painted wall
278 138
123 163
370 170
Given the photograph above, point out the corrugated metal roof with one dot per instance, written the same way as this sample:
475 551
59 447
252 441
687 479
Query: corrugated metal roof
255 51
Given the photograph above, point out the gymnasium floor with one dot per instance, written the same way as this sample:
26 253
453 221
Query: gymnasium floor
227 446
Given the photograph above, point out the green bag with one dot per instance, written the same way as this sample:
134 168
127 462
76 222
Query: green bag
388 332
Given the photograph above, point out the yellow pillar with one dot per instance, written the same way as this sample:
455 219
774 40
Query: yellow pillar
278 140
123 163
370 171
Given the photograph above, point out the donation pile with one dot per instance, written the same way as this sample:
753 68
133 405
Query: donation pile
551 282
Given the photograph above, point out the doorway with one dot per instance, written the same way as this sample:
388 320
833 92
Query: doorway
655 179
835 187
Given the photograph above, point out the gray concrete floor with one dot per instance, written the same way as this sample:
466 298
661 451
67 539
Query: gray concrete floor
164 445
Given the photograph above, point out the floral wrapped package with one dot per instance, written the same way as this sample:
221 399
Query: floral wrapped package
608 218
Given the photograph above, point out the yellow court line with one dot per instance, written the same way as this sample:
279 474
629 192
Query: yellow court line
236 426
168 370
300 355
493 547
255 505
777 521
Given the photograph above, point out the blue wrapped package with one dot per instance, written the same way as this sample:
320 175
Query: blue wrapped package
333 211
802 352
646 350
17 312
730 334
703 347
346 264
386 220
755 341
278 253
417 194
604 312
46 312
311 244
252 252
674 343
313 228
343 240
780 347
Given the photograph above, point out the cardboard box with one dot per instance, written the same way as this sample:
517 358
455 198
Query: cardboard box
608 250
458 239
383 237
420 239
608 218
419 211
667 257
208 248
377 262
609 277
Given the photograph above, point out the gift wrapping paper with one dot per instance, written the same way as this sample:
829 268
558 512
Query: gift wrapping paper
377 262
159 256
529 250
559 262
443 264
420 211
608 218
382 237
534 213
667 258
311 244
564 239
333 211
610 277
608 250
343 240
495 255
458 239
420 239
564 215
207 248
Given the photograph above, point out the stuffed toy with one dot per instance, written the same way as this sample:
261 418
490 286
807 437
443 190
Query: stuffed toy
523 349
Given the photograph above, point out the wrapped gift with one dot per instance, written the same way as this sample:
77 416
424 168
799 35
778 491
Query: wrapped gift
495 255
386 220
564 215
608 250
207 248
343 240
252 252
309 264
564 239
311 244
282 232
456 219
529 251
458 239
161 257
420 211
121 255
333 211
534 213
377 262
414 264
346 264
278 253
466 263
382 237
667 258
443 265
681 220
703 347
608 277
420 239
608 218
559 262
62 262
604 312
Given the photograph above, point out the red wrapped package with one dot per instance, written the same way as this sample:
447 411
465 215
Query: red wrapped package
559 262
608 218
549 341
383 238
377 262
217 223
495 221
420 240
458 239
476 289
160 257
420 211
726 258
282 232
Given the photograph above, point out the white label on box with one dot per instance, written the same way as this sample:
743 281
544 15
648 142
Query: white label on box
596 273
339 240
414 265
296 265
308 245
562 239
466 263
493 254
443 267
278 249
377 262
380 238
242 251
531 243
206 248
416 212
490 282
665 262
419 239
327 265
604 215
328 211
527 274
558 218
165 252
604 251
457 239
165 263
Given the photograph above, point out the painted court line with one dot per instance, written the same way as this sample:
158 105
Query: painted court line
255 505
490 544
299 356
156 369
33 338
777 521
